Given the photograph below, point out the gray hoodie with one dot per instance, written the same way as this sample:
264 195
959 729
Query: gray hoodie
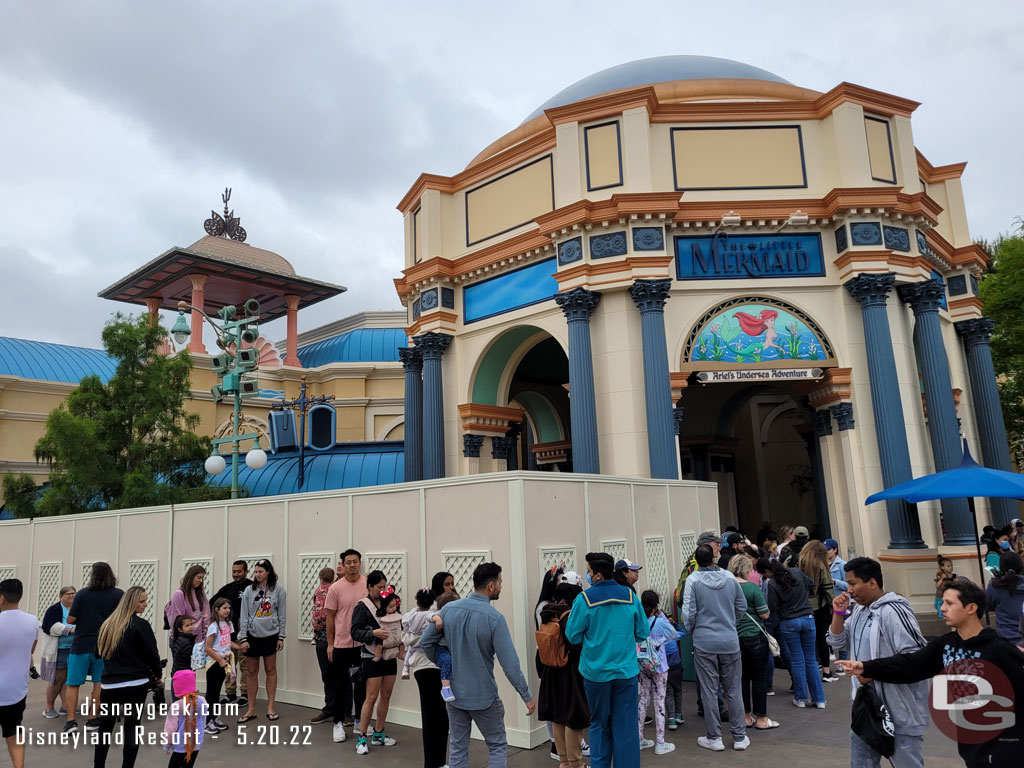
885 628
712 604
263 616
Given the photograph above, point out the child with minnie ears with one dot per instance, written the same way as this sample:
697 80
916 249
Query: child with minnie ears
390 620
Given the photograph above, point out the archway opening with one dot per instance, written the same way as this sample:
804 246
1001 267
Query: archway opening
539 385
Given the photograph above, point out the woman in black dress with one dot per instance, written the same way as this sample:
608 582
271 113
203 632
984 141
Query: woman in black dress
561 699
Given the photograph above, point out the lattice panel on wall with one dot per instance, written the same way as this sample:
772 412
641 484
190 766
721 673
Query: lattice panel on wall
461 566
552 556
616 548
143 573
48 585
687 543
656 565
309 579
206 562
250 560
392 564
86 574
8 572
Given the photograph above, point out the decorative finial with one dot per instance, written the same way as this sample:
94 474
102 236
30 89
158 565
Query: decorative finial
228 225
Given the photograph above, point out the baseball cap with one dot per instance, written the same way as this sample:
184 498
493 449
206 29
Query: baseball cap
622 565
707 537
801 532
1017 522
732 539
831 544
571 577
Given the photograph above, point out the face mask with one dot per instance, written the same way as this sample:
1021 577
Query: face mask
1004 545
588 578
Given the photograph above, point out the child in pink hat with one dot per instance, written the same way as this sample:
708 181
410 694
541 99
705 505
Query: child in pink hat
185 725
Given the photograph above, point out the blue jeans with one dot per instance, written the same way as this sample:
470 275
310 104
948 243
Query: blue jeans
798 634
908 753
613 733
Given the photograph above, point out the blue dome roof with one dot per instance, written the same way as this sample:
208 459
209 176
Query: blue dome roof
363 345
659 69
52 362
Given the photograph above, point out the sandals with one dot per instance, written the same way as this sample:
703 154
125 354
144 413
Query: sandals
246 718
771 724
272 716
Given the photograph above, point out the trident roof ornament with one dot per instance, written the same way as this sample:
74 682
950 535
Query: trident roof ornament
228 225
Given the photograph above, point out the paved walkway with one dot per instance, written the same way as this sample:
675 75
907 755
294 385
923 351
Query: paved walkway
808 737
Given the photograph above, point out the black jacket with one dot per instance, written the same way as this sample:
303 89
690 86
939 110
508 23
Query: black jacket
53 614
136 656
233 591
363 624
726 555
181 652
1005 747
790 602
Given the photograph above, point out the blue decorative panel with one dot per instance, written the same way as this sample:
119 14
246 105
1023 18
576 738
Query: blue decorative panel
570 251
428 299
866 233
417 309
448 298
937 277
648 239
896 238
512 290
922 243
974 285
744 256
613 244
842 242
957 285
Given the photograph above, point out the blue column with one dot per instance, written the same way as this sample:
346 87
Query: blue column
650 297
412 363
432 346
943 430
871 292
577 305
822 428
995 450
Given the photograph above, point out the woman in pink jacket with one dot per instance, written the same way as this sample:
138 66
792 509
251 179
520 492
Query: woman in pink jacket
190 600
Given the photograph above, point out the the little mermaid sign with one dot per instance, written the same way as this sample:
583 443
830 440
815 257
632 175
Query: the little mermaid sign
755 333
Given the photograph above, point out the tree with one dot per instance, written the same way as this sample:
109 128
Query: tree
129 442
1002 290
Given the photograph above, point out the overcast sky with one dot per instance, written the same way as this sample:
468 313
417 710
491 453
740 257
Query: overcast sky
121 122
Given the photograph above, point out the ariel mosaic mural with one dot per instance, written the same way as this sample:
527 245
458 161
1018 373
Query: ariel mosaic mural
754 333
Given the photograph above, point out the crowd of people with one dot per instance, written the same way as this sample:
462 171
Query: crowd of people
609 660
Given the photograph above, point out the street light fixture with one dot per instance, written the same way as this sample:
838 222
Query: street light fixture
230 367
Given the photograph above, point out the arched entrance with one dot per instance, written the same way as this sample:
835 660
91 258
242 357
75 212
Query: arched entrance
527 369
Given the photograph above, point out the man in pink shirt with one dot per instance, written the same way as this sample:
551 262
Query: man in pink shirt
342 650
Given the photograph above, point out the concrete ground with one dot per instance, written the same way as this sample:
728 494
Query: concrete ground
807 737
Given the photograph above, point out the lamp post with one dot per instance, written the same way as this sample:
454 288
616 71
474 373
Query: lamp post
230 367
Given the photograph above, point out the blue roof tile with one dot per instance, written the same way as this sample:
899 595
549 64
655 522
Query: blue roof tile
362 345
44 361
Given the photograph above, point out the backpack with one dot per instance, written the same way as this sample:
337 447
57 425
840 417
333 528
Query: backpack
199 658
551 645
871 721
167 608
647 657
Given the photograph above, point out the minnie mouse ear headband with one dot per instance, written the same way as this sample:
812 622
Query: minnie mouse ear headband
555 569
387 592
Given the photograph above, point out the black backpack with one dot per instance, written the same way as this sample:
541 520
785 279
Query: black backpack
871 721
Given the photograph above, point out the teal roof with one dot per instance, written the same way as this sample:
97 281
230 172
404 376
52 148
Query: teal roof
363 345
44 361
660 69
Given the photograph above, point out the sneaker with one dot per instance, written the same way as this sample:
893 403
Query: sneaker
243 701
829 678
92 724
211 728
339 733
741 744
405 674
362 746
584 748
554 752
648 721
770 692
799 703
446 694
51 714
381 739
69 726
664 748
321 717
680 720
646 743
819 705
671 724
221 725
62 712
715 745
354 723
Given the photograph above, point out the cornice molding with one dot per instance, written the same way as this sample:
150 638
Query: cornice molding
935 174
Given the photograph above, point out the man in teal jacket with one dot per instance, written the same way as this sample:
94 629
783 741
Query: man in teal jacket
608 621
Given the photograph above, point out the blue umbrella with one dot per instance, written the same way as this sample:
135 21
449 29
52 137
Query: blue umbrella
966 481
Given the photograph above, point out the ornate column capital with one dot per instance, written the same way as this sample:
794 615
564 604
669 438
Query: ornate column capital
432 345
198 280
471 445
499 447
922 297
871 290
822 423
843 414
578 303
411 358
977 330
650 295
